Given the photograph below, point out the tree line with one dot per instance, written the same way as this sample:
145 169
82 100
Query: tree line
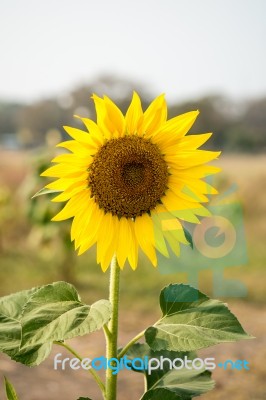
238 126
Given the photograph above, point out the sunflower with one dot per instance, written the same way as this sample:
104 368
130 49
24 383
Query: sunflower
129 181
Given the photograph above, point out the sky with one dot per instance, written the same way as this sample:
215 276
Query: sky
184 48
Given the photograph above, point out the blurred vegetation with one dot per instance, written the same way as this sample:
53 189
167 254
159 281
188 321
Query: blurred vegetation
238 126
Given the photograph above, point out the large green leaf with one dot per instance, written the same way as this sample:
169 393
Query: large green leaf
31 355
170 383
51 313
98 315
11 308
10 391
31 320
191 321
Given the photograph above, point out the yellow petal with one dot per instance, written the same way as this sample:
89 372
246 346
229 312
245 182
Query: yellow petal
167 226
145 236
115 116
73 160
62 170
72 206
173 242
76 147
124 241
107 257
180 208
198 171
86 245
185 193
186 159
105 235
134 115
174 228
60 184
174 129
154 116
83 221
158 234
82 137
133 252
190 142
91 232
71 191
93 129
199 186
111 249
102 117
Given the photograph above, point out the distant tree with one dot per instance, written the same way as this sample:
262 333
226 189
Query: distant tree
216 116
236 126
9 117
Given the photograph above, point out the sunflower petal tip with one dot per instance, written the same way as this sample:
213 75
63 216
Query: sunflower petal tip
104 267
94 96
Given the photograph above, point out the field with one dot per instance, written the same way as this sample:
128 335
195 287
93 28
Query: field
35 252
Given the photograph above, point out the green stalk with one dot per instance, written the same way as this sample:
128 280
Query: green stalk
111 338
91 370
127 346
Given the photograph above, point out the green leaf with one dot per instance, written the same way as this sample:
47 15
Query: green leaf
98 315
10 391
31 320
11 308
45 191
191 321
170 383
55 313
32 355
188 237
84 398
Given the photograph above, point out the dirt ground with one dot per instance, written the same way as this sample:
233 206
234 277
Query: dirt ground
44 383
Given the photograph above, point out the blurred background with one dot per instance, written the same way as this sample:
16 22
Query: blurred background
207 55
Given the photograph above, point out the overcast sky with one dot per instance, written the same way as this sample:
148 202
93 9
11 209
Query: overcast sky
184 48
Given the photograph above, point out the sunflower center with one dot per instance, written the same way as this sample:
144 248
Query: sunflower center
128 176
133 173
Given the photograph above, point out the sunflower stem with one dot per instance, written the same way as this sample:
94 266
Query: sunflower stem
111 338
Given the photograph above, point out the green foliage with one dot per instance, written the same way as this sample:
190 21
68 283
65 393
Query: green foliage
191 321
171 384
188 237
84 398
31 320
44 191
10 391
